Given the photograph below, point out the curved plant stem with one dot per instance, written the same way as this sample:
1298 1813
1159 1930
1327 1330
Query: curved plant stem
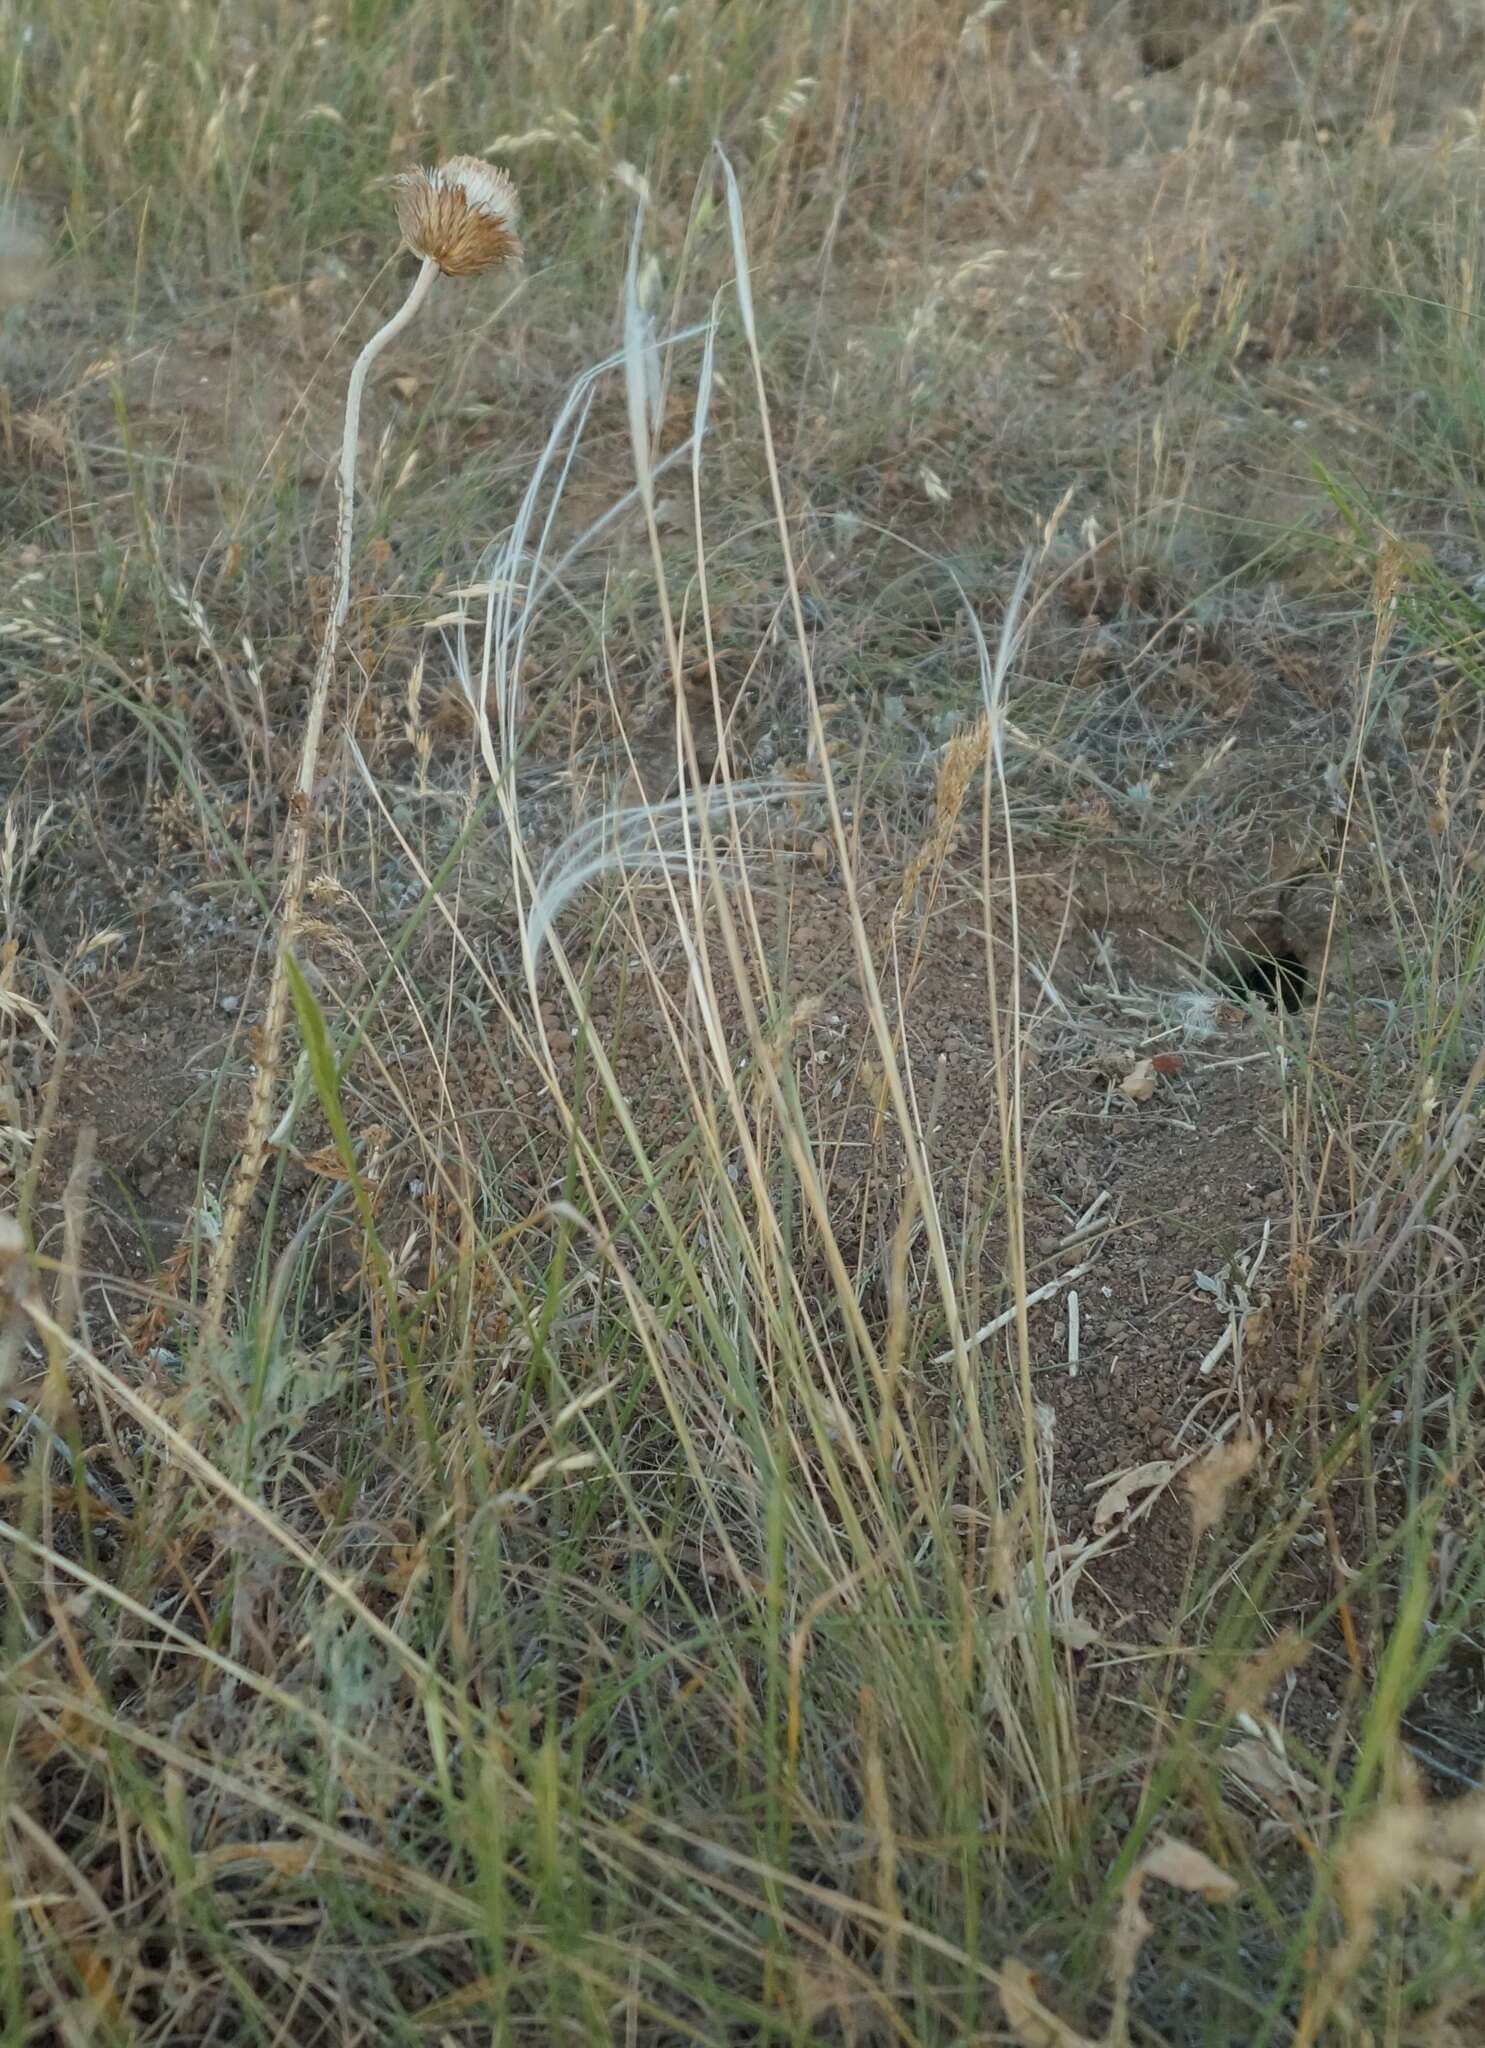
301 817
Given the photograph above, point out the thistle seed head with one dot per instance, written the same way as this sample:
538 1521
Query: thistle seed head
461 216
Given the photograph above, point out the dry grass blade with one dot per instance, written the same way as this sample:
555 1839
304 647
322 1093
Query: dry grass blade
1187 1869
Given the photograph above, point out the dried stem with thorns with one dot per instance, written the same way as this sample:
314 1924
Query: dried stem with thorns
460 219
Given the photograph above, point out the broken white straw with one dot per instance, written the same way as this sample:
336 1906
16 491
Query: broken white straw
1008 1316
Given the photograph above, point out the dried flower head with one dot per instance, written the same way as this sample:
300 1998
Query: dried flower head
461 216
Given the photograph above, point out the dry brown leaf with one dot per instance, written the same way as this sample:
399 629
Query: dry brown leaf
325 1164
1117 1499
1026 2016
1140 1083
1271 1776
1211 1479
1132 1930
1189 1870
1172 1862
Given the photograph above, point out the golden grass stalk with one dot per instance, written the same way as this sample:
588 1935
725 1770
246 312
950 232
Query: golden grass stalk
460 219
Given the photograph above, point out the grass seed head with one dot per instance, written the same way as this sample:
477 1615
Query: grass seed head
1212 1478
461 216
